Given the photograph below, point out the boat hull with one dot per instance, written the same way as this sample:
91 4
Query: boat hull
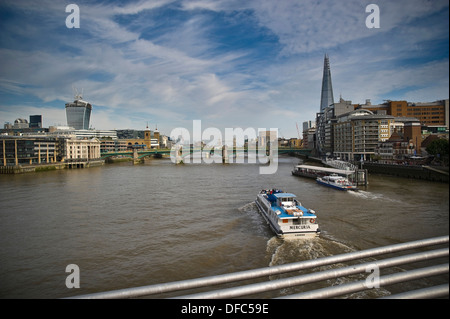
286 230
339 187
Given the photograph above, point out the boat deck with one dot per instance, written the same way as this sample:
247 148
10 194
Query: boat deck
287 217
291 205
283 214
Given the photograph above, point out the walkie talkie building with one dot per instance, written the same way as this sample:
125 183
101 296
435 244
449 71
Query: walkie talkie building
78 114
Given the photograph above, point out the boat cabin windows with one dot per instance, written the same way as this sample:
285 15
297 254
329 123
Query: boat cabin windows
289 201
286 201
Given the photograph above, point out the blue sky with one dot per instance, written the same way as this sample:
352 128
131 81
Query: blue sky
228 63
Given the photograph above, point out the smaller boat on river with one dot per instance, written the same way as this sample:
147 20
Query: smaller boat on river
337 182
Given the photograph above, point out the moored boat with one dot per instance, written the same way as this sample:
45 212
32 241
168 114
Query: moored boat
286 215
337 182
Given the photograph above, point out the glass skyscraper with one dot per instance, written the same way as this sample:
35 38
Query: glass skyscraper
324 131
78 114
326 99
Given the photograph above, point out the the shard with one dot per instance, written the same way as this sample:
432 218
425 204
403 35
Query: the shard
326 99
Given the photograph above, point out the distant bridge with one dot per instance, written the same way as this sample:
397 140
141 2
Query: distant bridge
139 154
132 154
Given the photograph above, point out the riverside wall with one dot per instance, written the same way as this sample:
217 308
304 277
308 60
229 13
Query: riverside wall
20 169
438 174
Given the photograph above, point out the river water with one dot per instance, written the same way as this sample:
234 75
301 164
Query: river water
129 225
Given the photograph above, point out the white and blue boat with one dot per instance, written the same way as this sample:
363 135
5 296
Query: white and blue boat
337 182
286 215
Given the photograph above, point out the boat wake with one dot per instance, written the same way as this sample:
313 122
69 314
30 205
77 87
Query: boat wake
279 252
283 252
288 251
255 216
372 196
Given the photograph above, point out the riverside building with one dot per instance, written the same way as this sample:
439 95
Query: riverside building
23 150
82 149
433 115
360 133
357 134
16 150
309 134
353 131
344 133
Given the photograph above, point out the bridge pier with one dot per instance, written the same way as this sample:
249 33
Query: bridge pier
136 159
225 159
179 158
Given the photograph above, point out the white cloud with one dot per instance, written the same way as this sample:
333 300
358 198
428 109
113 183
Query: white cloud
307 26
377 84
135 8
182 71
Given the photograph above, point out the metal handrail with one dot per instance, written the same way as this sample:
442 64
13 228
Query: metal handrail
424 293
269 271
316 276
340 290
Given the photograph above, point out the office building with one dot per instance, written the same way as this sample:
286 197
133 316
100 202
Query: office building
16 150
352 131
434 115
78 113
324 119
309 134
358 133
326 99
35 121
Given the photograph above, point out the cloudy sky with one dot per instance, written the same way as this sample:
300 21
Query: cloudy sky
228 63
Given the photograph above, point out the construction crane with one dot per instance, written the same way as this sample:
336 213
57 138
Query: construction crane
299 137
298 131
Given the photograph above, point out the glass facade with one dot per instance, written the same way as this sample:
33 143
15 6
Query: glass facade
36 121
78 114
326 99
19 150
